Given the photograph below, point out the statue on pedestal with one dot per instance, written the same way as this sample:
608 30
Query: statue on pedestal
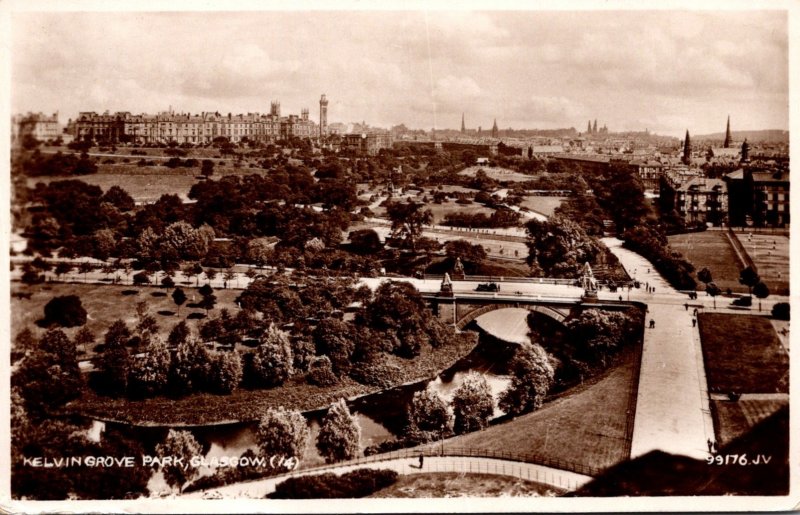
588 282
458 270
446 290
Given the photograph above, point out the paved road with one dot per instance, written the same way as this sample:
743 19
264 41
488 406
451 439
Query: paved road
672 406
405 466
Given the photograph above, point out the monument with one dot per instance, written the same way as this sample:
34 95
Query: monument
588 282
446 289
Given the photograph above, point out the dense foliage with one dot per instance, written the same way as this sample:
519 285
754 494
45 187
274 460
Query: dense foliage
531 379
65 311
350 485
339 435
559 248
653 246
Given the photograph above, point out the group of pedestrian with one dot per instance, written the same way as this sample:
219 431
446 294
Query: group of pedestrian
652 324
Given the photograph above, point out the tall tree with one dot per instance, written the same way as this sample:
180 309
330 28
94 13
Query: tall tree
149 371
273 360
761 291
190 367
83 337
115 361
749 277
532 377
283 433
179 297
179 334
705 276
473 404
49 376
713 290
339 436
225 371
429 417
408 219
183 445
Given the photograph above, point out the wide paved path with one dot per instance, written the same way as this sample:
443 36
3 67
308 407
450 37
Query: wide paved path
558 478
672 407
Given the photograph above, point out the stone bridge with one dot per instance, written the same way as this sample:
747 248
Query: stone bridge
461 309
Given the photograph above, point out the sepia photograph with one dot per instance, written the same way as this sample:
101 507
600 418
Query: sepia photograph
381 257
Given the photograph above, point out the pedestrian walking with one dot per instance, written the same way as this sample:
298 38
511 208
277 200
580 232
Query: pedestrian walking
686 306
421 459
694 322
710 445
695 312
620 298
654 289
652 324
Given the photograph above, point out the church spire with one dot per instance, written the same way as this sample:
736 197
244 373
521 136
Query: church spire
687 149
727 143
463 127
494 129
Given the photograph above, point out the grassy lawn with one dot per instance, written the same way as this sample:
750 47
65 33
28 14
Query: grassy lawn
104 304
457 484
770 253
498 174
587 425
711 249
742 354
441 210
734 419
542 204
148 183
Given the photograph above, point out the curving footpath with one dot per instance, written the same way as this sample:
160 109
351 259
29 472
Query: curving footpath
561 479
672 405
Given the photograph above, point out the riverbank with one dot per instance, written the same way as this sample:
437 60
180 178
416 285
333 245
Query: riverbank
244 405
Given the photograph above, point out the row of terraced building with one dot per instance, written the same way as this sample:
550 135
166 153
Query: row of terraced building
195 129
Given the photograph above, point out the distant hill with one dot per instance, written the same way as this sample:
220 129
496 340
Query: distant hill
765 136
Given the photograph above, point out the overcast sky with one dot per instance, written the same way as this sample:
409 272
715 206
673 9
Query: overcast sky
665 71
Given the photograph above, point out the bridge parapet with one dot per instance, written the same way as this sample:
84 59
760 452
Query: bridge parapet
460 310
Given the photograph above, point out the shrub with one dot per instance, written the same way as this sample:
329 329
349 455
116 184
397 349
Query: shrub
66 311
781 311
320 372
376 373
355 484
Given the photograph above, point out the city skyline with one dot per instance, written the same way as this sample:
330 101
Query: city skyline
635 70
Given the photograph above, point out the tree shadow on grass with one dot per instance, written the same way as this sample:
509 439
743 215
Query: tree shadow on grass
196 316
129 292
166 313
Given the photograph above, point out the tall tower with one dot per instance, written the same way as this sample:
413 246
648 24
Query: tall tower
594 128
687 149
304 114
275 109
745 152
727 143
323 116
463 127
494 129
589 128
